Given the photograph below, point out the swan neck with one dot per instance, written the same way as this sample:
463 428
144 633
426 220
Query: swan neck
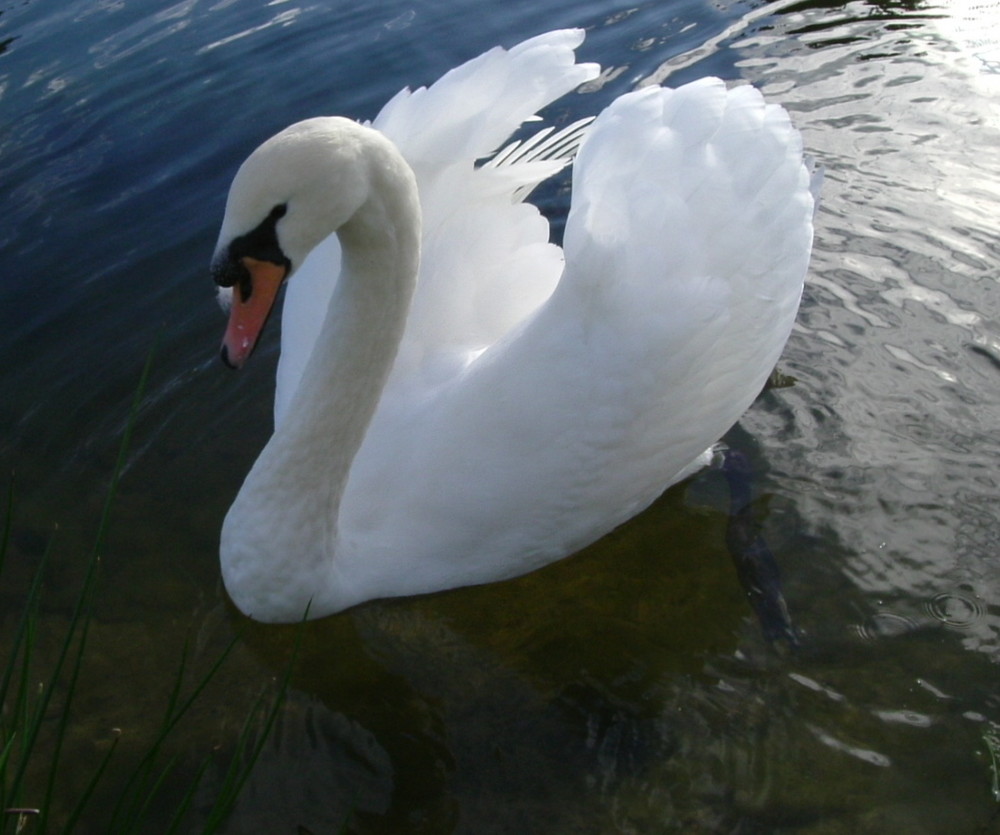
349 367
279 562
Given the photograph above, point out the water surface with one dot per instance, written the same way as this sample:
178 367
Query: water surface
627 689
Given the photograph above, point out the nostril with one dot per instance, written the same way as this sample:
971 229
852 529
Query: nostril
224 356
246 284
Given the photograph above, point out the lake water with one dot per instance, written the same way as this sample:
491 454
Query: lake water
627 689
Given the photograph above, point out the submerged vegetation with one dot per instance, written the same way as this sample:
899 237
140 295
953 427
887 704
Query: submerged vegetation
991 737
38 707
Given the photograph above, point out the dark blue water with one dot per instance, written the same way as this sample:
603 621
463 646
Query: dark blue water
627 689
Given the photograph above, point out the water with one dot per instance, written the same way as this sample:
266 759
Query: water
624 690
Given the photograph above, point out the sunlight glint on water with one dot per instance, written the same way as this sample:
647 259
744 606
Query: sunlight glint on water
626 689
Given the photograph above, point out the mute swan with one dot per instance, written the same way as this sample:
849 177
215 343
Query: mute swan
459 401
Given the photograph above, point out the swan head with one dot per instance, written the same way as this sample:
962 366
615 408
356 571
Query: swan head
300 186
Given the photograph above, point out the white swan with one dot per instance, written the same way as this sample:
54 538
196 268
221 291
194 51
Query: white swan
460 401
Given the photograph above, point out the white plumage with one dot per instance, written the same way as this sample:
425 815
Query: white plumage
527 399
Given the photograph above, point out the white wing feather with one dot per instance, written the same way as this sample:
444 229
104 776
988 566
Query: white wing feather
686 248
486 261
531 407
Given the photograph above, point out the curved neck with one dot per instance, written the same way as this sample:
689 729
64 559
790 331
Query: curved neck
352 358
301 474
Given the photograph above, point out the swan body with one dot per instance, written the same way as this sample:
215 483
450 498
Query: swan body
460 401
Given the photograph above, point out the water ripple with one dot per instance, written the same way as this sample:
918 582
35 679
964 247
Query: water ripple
956 610
905 717
864 754
283 18
885 625
143 34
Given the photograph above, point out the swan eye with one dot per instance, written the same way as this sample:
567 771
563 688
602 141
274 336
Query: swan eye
260 243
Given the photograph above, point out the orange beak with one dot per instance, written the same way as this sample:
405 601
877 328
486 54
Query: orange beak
249 313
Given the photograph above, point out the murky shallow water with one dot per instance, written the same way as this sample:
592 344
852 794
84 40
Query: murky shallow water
626 689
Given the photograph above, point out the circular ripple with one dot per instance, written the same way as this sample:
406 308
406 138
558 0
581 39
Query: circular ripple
955 610
885 625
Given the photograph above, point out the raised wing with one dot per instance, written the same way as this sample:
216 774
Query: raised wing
486 261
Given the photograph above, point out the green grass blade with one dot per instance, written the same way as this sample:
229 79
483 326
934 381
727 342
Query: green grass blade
169 716
34 724
241 764
188 799
139 791
67 707
77 618
24 724
8 522
239 770
128 810
18 643
5 754
991 736
30 720
137 785
84 600
149 794
119 468
90 788
26 709
202 684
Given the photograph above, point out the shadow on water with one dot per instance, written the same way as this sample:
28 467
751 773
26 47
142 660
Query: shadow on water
546 703
539 689
627 686
615 692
